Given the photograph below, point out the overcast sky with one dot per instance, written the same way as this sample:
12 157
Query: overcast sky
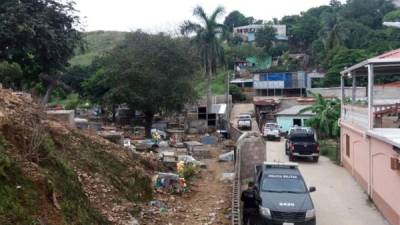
166 15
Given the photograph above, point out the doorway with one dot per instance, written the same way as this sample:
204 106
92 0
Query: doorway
297 122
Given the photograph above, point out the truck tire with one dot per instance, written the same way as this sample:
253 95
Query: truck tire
315 158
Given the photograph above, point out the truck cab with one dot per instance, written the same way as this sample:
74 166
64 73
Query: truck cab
285 197
302 142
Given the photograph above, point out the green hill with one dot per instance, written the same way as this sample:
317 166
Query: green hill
97 43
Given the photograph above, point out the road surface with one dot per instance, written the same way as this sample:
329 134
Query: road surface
339 200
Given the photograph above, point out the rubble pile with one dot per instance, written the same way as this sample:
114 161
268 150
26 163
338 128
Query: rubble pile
114 182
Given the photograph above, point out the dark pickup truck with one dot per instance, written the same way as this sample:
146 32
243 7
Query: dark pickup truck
301 142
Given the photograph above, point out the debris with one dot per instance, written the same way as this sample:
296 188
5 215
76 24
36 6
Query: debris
229 156
226 177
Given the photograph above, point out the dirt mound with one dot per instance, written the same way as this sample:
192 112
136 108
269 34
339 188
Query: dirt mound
51 174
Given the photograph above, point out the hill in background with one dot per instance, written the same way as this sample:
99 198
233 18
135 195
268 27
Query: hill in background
97 43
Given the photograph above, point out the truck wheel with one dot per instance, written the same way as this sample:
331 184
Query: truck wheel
315 158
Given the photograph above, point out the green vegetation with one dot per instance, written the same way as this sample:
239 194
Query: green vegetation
207 41
329 148
97 44
151 73
218 83
17 194
327 114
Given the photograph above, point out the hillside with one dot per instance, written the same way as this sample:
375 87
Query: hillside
50 174
97 42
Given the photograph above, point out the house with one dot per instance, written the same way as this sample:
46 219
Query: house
290 117
248 32
287 84
370 134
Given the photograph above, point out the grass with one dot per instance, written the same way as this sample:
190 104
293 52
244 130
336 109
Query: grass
17 194
218 85
98 43
329 149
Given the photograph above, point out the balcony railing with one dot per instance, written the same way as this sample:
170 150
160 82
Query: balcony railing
355 114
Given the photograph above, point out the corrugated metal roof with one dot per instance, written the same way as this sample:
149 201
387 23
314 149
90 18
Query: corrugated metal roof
294 110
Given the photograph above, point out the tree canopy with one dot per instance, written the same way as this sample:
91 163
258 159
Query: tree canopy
39 35
150 73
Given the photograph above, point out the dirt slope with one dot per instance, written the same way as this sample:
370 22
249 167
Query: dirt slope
50 174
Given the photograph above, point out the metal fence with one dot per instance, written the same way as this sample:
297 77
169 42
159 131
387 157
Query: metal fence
236 187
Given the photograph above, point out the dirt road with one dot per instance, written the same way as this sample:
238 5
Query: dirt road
243 108
339 200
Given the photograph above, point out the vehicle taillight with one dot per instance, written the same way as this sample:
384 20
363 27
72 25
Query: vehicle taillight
318 148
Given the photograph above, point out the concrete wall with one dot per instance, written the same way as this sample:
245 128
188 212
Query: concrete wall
368 162
63 116
379 92
336 92
251 147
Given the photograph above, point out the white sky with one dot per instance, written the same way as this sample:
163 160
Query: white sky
166 15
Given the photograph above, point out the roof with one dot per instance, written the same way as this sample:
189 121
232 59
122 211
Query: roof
294 111
387 135
387 63
259 101
239 81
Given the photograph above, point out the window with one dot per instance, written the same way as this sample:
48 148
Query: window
347 145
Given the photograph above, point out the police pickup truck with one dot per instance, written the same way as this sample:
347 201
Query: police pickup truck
285 197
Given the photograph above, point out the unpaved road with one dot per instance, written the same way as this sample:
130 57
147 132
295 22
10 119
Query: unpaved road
243 108
339 200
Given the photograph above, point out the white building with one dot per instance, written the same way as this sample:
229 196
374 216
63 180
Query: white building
248 33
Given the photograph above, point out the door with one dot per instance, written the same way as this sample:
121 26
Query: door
297 122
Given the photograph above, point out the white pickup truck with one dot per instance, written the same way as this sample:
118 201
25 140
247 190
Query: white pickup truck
272 131
244 122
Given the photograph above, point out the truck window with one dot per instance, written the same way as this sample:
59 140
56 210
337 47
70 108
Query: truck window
306 138
283 183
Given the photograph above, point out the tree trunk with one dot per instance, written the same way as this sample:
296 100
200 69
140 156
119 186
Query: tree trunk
114 112
49 90
148 117
209 91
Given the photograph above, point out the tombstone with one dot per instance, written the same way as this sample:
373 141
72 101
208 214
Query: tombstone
209 140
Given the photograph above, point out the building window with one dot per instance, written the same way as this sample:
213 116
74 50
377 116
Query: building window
347 145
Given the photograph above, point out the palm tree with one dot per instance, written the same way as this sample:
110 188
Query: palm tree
206 39
327 114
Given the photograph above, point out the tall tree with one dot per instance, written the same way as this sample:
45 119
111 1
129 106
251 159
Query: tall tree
265 37
207 41
39 35
150 73
235 19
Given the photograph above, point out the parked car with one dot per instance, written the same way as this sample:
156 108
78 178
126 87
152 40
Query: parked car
244 121
272 131
284 194
302 142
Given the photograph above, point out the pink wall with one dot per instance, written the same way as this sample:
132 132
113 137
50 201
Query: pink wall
385 182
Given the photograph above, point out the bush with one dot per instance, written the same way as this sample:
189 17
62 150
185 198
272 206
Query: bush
237 95
329 149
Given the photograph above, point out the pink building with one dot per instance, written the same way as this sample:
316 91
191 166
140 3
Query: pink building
370 133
